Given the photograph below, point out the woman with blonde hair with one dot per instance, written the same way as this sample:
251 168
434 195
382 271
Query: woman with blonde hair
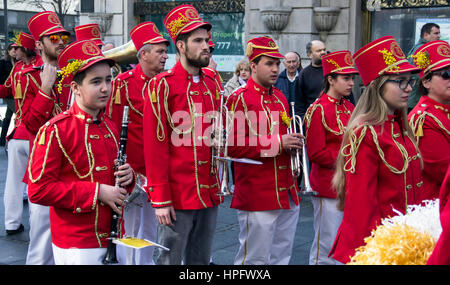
378 169
240 77
325 123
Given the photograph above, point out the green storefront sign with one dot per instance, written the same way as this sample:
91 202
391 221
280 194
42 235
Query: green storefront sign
226 17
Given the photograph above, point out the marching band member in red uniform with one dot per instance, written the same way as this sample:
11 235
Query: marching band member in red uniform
379 166
441 252
72 166
177 127
430 118
18 144
89 32
325 122
43 99
128 90
266 196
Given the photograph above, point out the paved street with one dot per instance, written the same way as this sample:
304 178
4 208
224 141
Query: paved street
13 249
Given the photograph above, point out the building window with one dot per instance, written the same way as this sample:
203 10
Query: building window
87 6
405 24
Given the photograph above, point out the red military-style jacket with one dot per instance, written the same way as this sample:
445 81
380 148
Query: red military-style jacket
214 74
441 252
8 88
36 107
325 122
71 157
382 176
13 87
128 90
177 128
430 122
260 119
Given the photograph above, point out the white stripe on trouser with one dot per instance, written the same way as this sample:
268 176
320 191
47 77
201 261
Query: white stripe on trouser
267 237
18 151
78 256
140 222
327 219
40 247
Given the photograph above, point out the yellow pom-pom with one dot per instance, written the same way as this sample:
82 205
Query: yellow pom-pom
395 245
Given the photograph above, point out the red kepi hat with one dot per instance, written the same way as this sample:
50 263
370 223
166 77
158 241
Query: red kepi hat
26 41
183 19
45 24
79 56
262 46
379 57
146 33
89 32
339 62
432 56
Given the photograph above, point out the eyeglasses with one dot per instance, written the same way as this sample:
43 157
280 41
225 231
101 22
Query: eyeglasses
55 38
445 74
403 83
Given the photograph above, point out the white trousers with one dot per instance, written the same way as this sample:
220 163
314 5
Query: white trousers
266 237
327 219
140 222
18 151
78 256
40 247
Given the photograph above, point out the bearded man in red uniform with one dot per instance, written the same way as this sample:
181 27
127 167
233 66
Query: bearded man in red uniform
43 99
266 196
177 107
128 90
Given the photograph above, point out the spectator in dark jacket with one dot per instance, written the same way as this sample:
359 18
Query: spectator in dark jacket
288 77
6 65
310 80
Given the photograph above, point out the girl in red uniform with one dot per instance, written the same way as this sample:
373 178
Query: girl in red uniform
325 123
378 167
71 166
430 118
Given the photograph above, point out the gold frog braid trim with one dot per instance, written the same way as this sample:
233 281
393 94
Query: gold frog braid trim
128 98
308 118
417 125
160 134
90 155
169 116
354 145
30 175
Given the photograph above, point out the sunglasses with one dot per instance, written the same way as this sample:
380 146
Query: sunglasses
445 74
403 83
55 38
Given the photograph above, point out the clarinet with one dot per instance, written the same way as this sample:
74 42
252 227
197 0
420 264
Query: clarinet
110 256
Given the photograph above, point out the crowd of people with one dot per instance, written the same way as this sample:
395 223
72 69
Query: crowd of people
369 158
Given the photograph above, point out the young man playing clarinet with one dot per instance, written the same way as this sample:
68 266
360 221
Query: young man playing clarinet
72 163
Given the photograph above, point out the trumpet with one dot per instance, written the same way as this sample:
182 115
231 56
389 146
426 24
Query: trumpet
298 166
219 130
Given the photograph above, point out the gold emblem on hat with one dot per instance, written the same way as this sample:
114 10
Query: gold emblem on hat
52 18
397 51
272 44
95 32
443 50
191 14
89 48
348 59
